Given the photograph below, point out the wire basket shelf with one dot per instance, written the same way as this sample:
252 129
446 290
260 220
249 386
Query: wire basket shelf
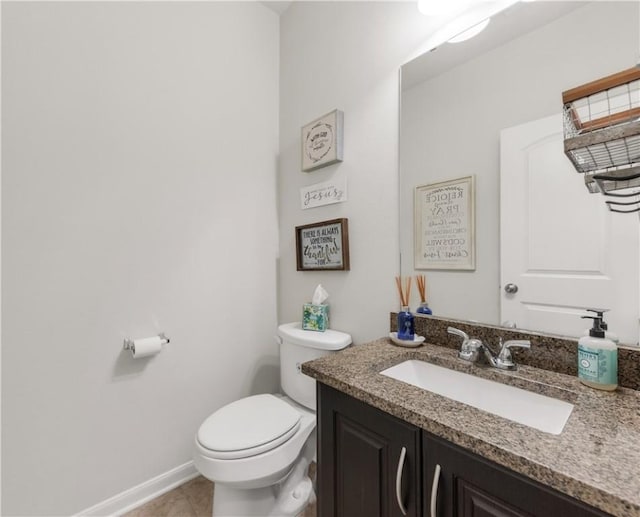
602 129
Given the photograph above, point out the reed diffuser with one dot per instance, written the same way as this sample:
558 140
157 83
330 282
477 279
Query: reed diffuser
406 322
421 281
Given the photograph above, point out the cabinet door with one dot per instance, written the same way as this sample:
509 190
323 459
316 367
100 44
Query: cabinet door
362 470
471 486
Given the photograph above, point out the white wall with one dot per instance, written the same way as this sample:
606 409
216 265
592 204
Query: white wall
139 153
518 82
346 55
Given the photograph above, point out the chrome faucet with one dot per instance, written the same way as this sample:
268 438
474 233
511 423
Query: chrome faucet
471 350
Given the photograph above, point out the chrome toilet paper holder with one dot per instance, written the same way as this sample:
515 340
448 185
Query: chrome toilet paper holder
129 345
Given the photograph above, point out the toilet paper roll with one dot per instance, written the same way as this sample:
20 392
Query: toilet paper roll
146 347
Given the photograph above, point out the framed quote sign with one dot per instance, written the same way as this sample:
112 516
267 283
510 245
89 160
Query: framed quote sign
444 225
322 141
326 193
323 246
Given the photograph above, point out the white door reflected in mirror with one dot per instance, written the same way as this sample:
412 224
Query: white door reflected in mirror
559 243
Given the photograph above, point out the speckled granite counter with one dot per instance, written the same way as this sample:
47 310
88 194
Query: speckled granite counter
596 459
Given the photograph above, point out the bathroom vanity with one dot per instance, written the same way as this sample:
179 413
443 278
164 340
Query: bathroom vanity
483 464
365 472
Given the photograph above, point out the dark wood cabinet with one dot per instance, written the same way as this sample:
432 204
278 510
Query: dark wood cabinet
471 486
362 469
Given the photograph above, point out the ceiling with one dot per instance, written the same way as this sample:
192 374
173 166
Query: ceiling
509 24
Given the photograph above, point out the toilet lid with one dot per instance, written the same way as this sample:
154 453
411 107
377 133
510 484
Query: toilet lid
248 426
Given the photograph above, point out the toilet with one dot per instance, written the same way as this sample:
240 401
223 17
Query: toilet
257 449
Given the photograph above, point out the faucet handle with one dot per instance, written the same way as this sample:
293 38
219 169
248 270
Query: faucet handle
504 359
515 343
470 348
458 332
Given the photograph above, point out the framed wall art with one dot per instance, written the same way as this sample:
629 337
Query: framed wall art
322 141
323 246
444 225
325 193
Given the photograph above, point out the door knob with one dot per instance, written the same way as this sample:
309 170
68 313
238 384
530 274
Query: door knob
511 288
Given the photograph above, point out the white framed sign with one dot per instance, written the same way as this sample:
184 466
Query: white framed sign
444 225
322 141
326 193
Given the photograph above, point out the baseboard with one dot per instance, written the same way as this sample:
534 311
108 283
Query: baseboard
142 493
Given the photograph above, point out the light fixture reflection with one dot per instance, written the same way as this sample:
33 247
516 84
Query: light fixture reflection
471 32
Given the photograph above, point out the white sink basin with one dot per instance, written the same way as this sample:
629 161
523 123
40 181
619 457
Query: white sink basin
531 409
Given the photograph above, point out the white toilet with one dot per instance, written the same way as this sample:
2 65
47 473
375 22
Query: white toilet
257 449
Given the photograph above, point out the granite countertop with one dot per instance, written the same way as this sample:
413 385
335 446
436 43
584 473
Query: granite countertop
596 458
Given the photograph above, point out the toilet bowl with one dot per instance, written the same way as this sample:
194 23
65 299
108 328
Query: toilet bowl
257 449
261 455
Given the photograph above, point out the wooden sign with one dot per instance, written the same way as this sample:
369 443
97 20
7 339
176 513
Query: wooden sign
323 246
322 141
326 193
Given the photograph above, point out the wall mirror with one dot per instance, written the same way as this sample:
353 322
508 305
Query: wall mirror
490 108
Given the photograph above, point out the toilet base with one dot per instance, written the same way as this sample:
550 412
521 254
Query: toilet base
285 499
235 502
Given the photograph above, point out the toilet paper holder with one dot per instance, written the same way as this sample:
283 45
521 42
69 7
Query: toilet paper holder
128 342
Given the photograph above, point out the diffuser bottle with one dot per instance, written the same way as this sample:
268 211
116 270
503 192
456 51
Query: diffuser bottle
597 358
406 324
424 308
422 289
406 320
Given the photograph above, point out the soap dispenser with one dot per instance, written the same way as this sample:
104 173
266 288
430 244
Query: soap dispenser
597 358
607 333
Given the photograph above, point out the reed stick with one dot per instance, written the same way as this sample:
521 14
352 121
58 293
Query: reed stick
421 281
404 291
399 286
408 296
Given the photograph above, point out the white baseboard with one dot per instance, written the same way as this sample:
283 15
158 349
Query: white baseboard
142 493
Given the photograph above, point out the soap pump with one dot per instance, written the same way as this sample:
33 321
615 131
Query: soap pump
607 333
597 358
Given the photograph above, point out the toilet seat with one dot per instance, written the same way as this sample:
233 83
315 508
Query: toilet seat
263 469
248 427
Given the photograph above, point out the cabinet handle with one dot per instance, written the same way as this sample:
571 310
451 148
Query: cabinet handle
434 490
403 454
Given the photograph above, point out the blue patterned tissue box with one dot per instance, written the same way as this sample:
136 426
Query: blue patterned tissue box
315 317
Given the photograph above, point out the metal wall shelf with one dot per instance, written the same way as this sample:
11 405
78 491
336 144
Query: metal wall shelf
602 135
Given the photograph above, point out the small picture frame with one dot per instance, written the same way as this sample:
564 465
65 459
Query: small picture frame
444 225
323 246
321 141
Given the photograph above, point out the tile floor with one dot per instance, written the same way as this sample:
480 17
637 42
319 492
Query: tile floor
193 499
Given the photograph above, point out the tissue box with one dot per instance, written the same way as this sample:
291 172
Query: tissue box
315 317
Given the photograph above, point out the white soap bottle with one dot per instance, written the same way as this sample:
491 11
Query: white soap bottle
597 358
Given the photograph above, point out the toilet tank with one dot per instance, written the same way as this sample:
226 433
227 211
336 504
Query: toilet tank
298 346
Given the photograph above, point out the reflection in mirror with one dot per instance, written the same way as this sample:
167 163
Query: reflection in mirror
490 107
